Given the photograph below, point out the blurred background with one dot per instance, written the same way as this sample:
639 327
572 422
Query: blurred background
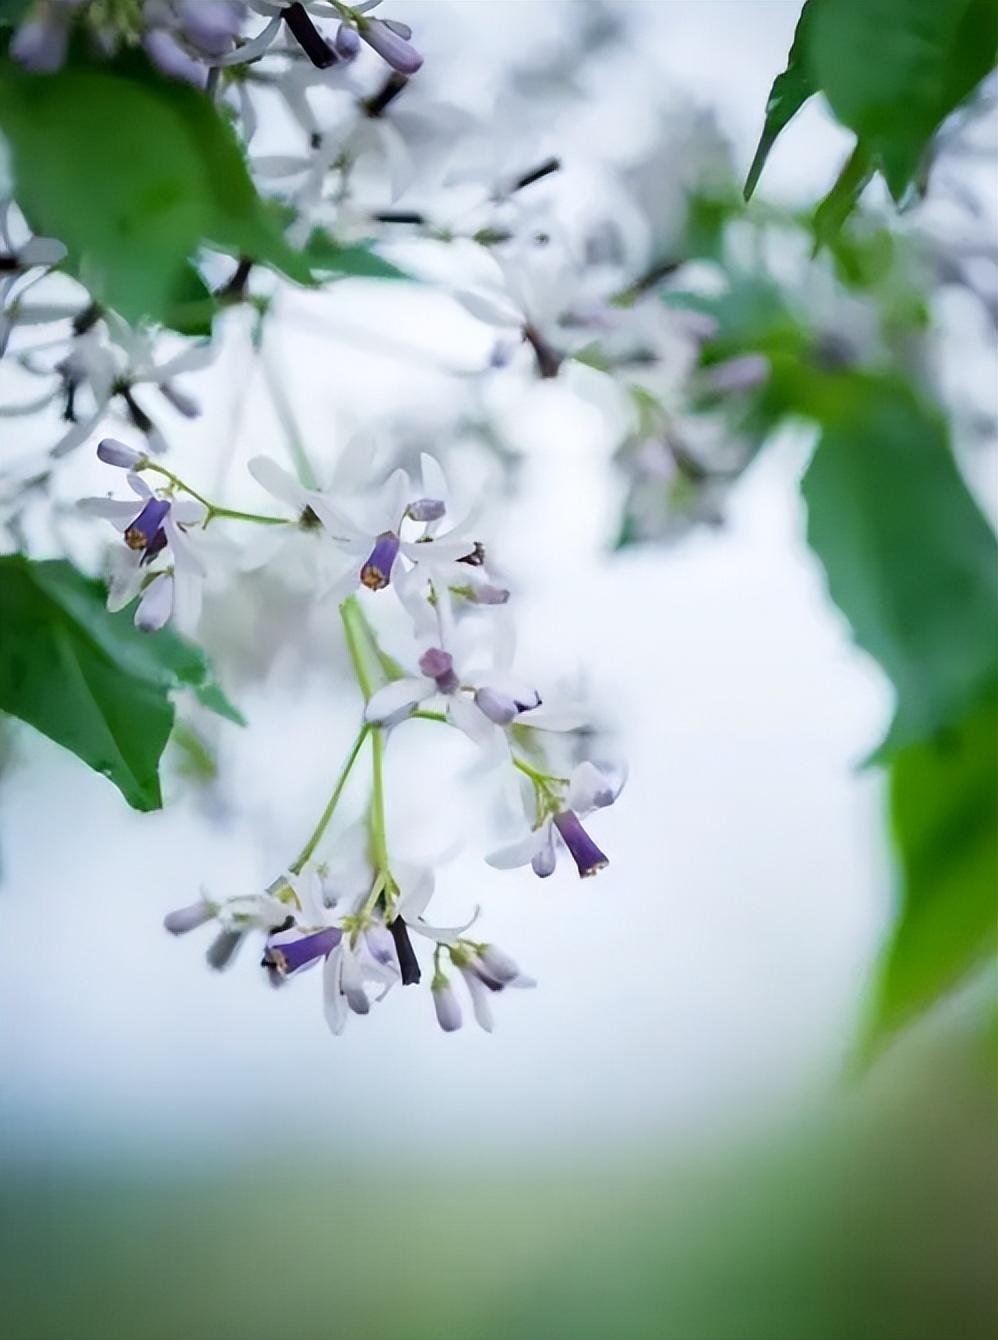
668 1138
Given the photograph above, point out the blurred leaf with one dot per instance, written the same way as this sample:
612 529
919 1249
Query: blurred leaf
910 560
790 91
329 256
892 70
134 173
944 816
752 316
89 680
841 200
192 304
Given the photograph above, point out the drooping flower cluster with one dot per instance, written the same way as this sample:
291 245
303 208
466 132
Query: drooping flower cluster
357 912
186 39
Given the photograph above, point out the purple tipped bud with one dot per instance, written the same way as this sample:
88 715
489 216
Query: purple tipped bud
583 850
381 944
210 25
289 956
487 594
222 949
377 571
186 919
498 964
113 452
40 44
446 1005
439 666
391 46
357 999
168 55
498 707
543 864
346 42
426 509
147 525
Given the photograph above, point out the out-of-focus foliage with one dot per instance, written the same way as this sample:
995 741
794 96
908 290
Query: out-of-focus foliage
944 806
89 679
892 71
875 1222
134 174
910 559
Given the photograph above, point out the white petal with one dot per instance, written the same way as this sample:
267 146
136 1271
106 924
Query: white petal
592 789
434 552
334 1005
480 999
415 884
398 696
256 46
278 483
187 595
156 605
188 512
521 852
494 311
126 578
554 718
468 718
433 478
192 359
119 512
185 559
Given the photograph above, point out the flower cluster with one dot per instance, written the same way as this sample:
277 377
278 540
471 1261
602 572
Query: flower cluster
358 911
186 39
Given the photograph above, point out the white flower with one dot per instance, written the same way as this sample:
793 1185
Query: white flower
154 527
370 531
558 815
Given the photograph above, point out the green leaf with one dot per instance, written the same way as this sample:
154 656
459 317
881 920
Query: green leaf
944 817
909 558
89 679
842 199
790 91
330 257
134 173
892 70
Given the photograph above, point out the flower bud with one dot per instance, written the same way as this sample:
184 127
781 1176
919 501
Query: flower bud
498 707
346 42
446 1005
113 452
186 919
391 46
426 509
498 964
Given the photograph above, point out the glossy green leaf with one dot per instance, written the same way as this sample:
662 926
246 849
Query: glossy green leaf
944 818
892 70
790 91
134 173
910 560
89 679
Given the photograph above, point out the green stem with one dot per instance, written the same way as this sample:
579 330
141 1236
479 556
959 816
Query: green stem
540 778
334 799
213 509
379 838
355 632
428 716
